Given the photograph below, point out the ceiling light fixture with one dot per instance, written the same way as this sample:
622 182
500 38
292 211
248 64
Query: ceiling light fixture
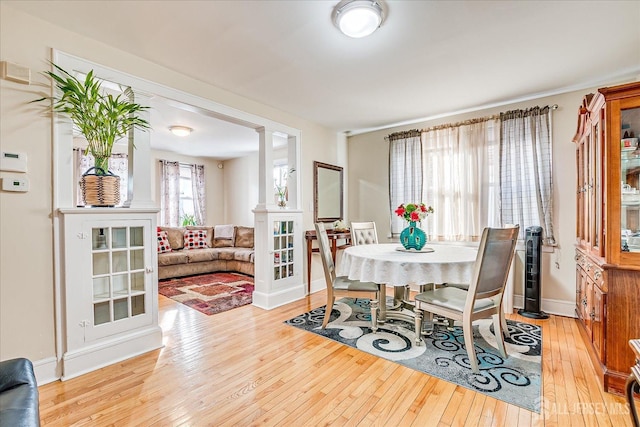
358 18
180 130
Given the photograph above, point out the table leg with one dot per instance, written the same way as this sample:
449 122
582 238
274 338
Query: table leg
383 304
334 249
309 251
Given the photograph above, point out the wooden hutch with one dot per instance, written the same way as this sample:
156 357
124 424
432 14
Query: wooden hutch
608 229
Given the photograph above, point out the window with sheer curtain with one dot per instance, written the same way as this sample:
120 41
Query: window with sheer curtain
480 173
405 164
182 193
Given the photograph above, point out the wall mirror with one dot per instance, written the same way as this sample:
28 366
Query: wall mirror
327 192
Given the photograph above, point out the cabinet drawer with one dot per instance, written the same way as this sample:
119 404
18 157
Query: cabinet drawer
595 273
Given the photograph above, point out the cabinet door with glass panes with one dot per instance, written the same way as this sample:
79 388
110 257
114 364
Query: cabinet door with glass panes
283 249
119 283
630 178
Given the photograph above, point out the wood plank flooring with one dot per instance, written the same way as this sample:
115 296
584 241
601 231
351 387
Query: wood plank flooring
245 367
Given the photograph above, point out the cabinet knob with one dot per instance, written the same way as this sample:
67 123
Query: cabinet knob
597 275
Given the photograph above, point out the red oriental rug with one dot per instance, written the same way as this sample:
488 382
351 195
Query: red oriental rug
209 293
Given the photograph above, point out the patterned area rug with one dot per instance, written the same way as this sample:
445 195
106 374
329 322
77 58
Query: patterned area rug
515 380
209 293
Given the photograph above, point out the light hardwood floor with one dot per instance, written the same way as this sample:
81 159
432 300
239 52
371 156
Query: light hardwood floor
246 368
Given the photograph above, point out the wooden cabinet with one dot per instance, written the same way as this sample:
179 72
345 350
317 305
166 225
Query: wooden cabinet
608 228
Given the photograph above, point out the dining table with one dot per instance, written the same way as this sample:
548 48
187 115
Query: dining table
390 264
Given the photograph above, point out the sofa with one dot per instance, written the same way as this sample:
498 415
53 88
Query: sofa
19 404
184 251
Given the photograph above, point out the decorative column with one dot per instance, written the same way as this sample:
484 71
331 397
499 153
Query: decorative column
139 192
278 232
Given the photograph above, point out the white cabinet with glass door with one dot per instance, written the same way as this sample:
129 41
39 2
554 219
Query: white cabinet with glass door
110 287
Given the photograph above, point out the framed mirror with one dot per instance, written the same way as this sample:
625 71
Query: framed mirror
327 192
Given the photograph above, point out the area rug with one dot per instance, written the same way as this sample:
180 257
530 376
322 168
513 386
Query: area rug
515 380
209 293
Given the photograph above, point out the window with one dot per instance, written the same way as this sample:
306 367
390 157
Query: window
182 194
481 173
186 208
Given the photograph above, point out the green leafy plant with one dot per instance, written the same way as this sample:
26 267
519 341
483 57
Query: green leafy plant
188 219
101 118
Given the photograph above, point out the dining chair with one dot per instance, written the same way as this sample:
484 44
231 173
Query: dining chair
483 299
363 233
342 286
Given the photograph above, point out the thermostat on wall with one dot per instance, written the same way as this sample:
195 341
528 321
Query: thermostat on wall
15 183
13 161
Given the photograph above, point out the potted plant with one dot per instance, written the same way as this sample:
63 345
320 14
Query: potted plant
102 119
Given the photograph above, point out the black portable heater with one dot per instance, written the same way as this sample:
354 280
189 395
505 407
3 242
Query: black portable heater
533 261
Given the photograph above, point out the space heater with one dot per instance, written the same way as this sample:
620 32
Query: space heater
532 276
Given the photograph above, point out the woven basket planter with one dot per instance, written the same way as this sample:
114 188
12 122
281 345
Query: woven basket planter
100 190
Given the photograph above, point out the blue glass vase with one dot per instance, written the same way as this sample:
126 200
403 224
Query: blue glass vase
413 237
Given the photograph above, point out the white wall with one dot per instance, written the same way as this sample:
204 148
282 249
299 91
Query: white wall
368 187
26 228
241 190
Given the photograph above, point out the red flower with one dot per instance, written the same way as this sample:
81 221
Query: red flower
415 216
400 211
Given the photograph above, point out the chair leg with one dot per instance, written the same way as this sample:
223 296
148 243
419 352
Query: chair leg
418 325
374 315
498 321
503 322
327 312
467 330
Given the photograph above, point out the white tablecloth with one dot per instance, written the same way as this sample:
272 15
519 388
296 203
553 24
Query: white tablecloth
383 263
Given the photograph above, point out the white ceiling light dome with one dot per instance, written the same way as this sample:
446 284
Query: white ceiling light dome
358 18
180 130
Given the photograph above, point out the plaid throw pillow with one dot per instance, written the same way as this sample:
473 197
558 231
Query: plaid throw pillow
163 242
195 239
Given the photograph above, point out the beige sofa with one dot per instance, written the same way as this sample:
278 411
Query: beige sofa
221 254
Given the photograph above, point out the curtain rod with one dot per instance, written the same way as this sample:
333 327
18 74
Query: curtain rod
409 133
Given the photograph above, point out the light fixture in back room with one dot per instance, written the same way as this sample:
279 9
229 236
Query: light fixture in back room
358 18
180 130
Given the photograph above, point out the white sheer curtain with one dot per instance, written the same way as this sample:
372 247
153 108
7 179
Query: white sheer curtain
118 165
526 166
405 174
170 193
197 184
461 180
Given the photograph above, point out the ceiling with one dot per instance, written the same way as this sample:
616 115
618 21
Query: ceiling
428 59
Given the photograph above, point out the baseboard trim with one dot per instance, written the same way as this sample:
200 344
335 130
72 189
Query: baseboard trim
276 299
46 370
91 358
550 306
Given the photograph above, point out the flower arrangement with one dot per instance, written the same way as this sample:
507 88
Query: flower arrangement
413 211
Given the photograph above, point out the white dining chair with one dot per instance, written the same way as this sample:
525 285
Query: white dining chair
483 298
363 233
343 286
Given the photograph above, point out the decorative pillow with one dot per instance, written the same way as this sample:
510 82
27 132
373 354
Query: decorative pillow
195 239
163 242
176 236
244 237
209 231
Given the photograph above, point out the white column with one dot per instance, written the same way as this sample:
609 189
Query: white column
139 191
265 169
293 181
